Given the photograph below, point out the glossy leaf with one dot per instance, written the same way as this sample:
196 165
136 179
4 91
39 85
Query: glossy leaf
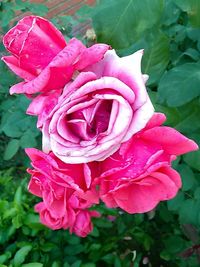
21 255
156 56
127 23
33 264
180 85
11 149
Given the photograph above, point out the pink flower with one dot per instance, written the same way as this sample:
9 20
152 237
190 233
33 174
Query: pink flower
55 181
104 106
41 56
54 222
67 192
82 225
138 176
77 219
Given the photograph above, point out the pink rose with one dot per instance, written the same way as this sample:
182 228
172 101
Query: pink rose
82 225
41 56
55 181
103 107
55 222
78 220
67 192
138 176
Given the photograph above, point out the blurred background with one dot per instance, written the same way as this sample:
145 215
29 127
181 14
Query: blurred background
169 32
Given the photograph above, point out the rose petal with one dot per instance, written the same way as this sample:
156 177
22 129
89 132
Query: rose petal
172 141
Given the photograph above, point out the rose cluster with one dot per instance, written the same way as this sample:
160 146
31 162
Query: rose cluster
101 139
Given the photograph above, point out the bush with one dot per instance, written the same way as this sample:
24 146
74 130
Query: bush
169 32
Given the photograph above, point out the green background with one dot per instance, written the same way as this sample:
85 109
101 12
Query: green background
169 32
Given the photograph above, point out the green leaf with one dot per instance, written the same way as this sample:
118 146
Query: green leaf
46 247
165 255
180 85
175 203
188 213
192 7
95 246
171 13
4 257
187 176
20 255
28 139
197 193
33 222
120 23
5 235
192 53
188 121
6 17
33 264
74 240
95 232
55 264
117 262
74 250
10 213
76 264
165 213
193 33
11 149
172 114
13 123
193 158
17 221
104 223
156 56
174 244
3 206
18 196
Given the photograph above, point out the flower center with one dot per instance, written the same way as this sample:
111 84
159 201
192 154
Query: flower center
100 121
90 121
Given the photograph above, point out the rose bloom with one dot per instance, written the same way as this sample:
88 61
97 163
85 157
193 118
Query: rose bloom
67 192
76 219
104 106
104 102
41 56
138 176
51 178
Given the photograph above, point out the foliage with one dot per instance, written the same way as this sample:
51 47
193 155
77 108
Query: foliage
169 32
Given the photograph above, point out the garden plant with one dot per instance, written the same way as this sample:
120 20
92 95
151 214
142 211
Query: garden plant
99 135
